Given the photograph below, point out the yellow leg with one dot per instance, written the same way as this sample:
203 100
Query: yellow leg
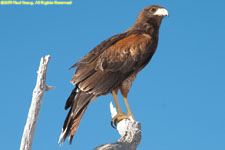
129 113
116 101
120 115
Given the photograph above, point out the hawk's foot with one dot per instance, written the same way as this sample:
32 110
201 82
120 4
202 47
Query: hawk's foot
117 118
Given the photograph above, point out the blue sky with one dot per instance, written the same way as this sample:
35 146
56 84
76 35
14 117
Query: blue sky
179 97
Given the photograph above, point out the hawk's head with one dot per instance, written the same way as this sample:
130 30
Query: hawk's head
153 12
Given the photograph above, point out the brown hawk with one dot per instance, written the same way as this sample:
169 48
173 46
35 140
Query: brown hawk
112 66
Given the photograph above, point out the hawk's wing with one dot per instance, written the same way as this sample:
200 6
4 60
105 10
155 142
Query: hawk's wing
94 53
113 65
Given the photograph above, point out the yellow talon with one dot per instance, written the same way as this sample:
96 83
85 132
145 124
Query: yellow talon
117 118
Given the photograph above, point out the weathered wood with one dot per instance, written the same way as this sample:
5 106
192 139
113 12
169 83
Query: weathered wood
35 107
130 132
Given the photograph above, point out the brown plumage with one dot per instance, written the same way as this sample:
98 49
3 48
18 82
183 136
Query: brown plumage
112 66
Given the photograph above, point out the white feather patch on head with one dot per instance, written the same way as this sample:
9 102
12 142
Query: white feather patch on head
161 12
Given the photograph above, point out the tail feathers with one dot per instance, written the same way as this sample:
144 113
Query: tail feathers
71 97
78 105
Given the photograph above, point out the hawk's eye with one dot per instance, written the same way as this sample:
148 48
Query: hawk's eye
153 10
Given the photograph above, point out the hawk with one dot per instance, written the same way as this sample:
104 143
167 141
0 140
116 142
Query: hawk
111 66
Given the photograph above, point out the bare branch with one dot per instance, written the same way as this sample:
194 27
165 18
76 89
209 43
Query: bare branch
35 107
130 132
49 87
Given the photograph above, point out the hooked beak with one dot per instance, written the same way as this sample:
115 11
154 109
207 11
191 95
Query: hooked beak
161 12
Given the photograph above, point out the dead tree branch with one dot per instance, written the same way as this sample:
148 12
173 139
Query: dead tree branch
130 132
35 107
